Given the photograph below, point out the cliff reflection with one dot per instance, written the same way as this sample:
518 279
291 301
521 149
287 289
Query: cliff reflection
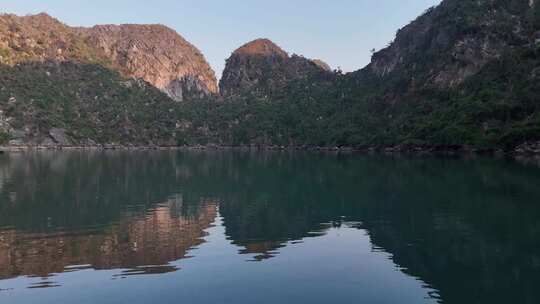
468 228
144 243
54 217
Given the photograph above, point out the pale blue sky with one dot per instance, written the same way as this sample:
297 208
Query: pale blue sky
340 32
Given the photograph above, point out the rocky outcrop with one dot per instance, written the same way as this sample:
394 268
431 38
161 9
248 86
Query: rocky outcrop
60 137
41 38
66 103
261 47
528 148
323 65
158 55
154 53
262 68
453 41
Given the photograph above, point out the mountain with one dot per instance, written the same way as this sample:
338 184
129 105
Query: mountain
63 86
153 53
156 54
65 103
40 38
464 75
262 68
455 40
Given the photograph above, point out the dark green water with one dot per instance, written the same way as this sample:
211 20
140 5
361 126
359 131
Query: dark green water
183 227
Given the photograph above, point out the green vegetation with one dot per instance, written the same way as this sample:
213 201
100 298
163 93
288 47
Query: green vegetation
92 103
497 108
468 74
422 101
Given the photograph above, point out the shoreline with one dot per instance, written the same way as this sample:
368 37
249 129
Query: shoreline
526 149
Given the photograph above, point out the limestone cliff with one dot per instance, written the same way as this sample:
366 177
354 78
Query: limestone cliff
261 67
154 53
323 65
41 38
455 40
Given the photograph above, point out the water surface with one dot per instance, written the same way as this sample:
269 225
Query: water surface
230 227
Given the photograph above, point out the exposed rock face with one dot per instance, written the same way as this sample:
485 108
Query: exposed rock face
65 103
261 47
323 65
261 67
453 41
59 136
40 38
153 53
158 55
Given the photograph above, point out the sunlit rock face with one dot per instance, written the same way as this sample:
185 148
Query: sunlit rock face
322 64
158 55
154 53
262 68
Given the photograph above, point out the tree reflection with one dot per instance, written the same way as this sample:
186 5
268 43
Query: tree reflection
469 228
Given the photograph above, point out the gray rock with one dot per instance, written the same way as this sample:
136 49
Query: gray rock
89 142
59 136
17 134
48 142
16 142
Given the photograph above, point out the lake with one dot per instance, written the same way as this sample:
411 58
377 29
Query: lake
241 227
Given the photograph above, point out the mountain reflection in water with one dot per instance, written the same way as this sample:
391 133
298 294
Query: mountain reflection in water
466 230
143 243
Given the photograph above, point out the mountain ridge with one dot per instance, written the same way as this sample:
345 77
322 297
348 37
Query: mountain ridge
464 75
155 53
262 68
158 55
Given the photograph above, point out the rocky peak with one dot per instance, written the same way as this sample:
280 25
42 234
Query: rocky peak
31 21
261 47
323 65
38 38
453 41
156 54
262 68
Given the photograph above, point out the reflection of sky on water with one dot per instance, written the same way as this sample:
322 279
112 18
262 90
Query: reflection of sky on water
339 265
117 227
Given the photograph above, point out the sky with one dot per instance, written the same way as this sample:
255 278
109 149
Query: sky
340 32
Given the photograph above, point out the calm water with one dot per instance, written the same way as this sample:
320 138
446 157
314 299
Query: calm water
182 227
